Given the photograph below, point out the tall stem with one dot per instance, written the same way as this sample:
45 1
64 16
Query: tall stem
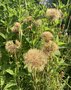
34 80
16 72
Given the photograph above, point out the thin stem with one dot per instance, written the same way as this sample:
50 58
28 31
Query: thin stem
26 4
34 80
68 24
16 72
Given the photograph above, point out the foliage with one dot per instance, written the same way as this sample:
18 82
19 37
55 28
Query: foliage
25 21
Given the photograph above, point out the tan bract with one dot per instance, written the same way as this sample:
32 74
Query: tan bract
35 59
47 36
53 13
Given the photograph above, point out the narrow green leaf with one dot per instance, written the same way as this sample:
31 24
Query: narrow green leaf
9 85
1 81
2 35
10 72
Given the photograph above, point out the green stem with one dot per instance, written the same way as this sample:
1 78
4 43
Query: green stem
34 80
16 72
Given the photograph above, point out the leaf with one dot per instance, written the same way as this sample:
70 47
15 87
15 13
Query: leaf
57 53
10 72
2 35
61 43
9 85
1 81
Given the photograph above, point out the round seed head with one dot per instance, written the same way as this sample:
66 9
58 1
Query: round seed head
47 36
53 13
35 59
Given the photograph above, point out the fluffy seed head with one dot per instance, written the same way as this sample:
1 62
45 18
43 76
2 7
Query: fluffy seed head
47 36
50 47
53 13
35 59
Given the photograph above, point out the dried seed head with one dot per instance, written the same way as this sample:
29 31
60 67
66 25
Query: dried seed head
17 24
50 47
35 59
16 27
10 47
47 36
53 14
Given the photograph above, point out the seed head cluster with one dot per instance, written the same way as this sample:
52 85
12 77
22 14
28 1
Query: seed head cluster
12 47
35 59
49 45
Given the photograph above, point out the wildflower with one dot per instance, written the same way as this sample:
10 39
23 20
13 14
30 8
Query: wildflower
50 47
12 47
16 27
53 13
47 36
35 59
